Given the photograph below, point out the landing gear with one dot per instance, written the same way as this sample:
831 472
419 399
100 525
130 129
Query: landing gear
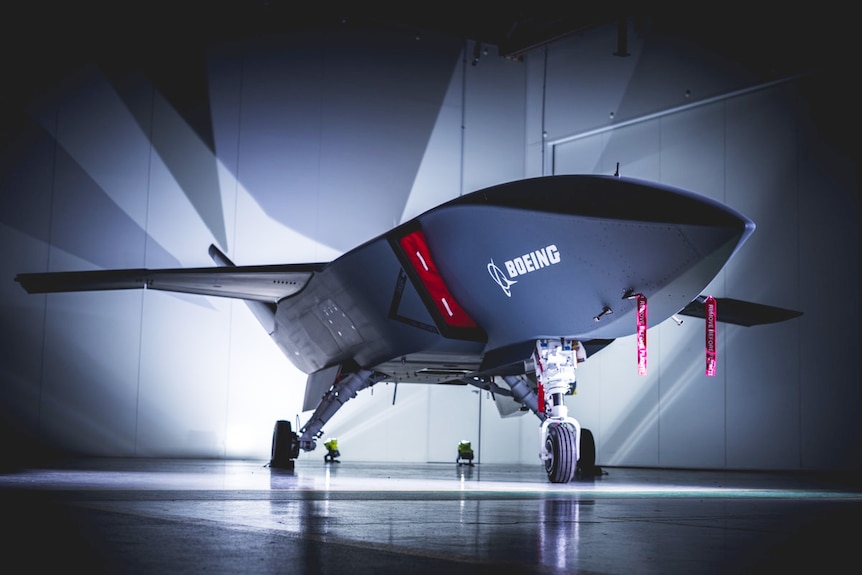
555 363
343 389
285 446
587 461
560 445
561 465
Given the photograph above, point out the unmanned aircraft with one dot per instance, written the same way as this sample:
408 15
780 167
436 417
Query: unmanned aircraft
507 289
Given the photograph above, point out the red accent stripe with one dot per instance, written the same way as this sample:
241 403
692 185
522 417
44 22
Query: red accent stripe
416 249
540 398
711 335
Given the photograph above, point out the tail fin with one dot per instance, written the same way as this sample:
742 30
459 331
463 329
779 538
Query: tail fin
219 258
263 311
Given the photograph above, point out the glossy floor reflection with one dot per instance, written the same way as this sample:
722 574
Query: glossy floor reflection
192 516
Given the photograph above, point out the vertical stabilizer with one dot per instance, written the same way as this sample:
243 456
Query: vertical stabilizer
264 312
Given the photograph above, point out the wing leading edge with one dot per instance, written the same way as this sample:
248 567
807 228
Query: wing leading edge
268 283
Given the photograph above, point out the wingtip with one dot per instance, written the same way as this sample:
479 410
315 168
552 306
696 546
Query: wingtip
22 282
741 312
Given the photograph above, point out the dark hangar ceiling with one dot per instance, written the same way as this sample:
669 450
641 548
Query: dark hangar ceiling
43 41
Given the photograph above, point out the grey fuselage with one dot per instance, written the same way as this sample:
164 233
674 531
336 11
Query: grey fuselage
536 258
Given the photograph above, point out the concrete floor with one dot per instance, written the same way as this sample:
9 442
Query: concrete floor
192 516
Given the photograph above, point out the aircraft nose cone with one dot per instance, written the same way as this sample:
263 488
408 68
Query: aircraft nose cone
691 211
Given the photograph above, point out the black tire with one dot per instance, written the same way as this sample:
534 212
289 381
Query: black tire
285 446
560 444
586 468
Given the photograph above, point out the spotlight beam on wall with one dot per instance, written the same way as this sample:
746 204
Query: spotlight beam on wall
99 131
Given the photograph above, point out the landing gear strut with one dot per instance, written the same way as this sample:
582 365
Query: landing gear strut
286 443
561 439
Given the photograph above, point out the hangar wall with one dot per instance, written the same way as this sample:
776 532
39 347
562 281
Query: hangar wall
320 142
764 148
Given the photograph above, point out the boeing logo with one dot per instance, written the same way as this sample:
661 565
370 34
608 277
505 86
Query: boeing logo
527 263
498 276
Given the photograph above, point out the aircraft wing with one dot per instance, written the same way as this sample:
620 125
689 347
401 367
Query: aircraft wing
740 312
255 283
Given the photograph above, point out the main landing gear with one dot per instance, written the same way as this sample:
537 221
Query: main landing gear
285 446
286 443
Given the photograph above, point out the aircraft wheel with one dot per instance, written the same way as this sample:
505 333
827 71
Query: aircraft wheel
587 463
560 444
285 446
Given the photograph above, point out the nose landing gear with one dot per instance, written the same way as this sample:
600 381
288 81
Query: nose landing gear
561 449
563 442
